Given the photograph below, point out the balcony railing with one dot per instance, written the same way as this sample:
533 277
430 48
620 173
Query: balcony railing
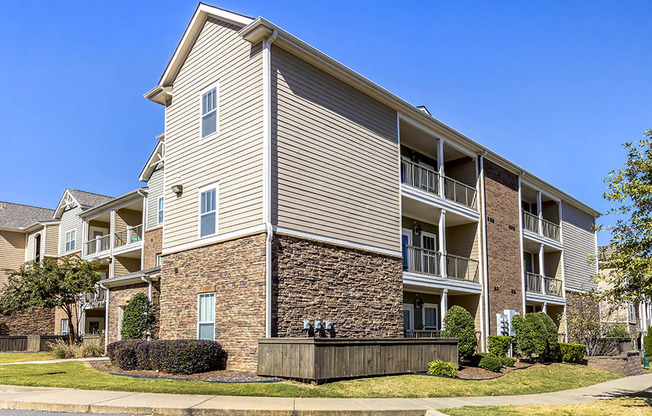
130 235
535 283
98 244
95 300
462 268
420 260
550 230
421 333
419 176
530 222
459 192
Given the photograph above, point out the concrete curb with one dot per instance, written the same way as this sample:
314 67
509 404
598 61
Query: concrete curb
98 401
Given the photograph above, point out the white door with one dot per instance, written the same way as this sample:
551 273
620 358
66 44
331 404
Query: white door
429 257
406 243
430 316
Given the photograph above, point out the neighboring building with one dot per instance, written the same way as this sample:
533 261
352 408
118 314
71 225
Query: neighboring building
297 190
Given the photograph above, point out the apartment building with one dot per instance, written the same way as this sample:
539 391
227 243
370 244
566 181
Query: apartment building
302 198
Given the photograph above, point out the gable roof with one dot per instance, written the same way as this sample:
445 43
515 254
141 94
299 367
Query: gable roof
19 217
156 160
84 199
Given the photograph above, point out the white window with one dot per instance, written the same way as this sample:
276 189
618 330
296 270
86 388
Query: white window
121 311
161 201
65 328
158 259
208 211
206 316
209 112
430 316
408 316
70 240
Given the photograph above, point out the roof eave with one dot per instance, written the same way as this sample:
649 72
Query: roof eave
97 209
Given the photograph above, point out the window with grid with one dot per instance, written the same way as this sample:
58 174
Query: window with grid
206 316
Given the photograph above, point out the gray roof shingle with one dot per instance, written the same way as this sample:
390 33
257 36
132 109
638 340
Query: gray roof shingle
88 199
17 216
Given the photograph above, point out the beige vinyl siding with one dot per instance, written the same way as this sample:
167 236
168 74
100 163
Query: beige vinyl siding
155 190
335 157
579 243
462 240
12 252
69 220
52 240
462 170
29 250
234 157
552 264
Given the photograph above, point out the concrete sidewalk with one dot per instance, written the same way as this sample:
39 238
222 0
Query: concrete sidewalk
92 401
58 361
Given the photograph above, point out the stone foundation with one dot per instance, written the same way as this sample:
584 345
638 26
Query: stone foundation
36 322
153 246
627 364
120 296
360 292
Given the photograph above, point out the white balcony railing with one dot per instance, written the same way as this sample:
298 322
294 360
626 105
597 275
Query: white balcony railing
459 192
530 222
462 268
535 283
129 236
552 286
98 244
419 176
420 260
550 230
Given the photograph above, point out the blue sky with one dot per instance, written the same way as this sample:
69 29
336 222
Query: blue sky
554 86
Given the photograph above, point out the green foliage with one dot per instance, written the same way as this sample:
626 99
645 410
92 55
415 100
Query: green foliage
536 334
647 342
458 323
583 320
617 331
138 318
629 255
572 353
507 361
499 345
442 368
51 283
491 362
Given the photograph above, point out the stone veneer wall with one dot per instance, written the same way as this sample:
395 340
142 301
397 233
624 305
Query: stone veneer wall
503 209
153 244
235 271
39 321
120 296
360 292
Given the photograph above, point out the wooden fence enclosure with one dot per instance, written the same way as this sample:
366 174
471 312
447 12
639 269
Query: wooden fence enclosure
32 343
321 359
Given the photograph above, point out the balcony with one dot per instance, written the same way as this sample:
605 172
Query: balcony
428 180
95 300
129 236
98 244
535 283
540 226
420 260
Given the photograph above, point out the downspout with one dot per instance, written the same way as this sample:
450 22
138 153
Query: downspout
106 317
149 297
267 176
485 269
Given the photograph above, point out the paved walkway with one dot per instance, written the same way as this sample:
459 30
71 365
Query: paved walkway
89 401
59 361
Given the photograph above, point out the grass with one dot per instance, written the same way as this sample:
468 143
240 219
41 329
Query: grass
537 379
18 357
634 405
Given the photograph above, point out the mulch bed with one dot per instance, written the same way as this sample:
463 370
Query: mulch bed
477 373
211 376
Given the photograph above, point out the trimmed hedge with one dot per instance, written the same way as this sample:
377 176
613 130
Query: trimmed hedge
458 323
168 356
536 333
507 361
491 362
499 345
572 353
442 368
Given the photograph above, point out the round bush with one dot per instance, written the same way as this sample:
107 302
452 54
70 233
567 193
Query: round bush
442 368
499 345
138 318
572 353
507 361
491 362
536 333
458 323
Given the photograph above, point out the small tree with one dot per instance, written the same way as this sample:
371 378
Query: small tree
458 323
51 283
536 333
583 321
647 342
138 318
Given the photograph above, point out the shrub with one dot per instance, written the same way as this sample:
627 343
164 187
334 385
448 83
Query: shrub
138 318
572 353
617 331
62 350
536 333
458 323
442 368
499 345
491 362
169 356
507 361
89 350
647 342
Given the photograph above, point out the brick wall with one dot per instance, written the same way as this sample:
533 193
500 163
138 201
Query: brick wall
360 292
503 242
120 296
37 322
153 243
235 270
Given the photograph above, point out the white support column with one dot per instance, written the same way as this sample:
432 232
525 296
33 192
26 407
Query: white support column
112 245
539 212
443 306
542 269
440 165
442 242
545 307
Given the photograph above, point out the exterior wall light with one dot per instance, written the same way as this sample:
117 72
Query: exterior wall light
177 189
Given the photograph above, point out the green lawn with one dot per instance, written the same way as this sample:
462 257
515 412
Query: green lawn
536 379
635 405
17 357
